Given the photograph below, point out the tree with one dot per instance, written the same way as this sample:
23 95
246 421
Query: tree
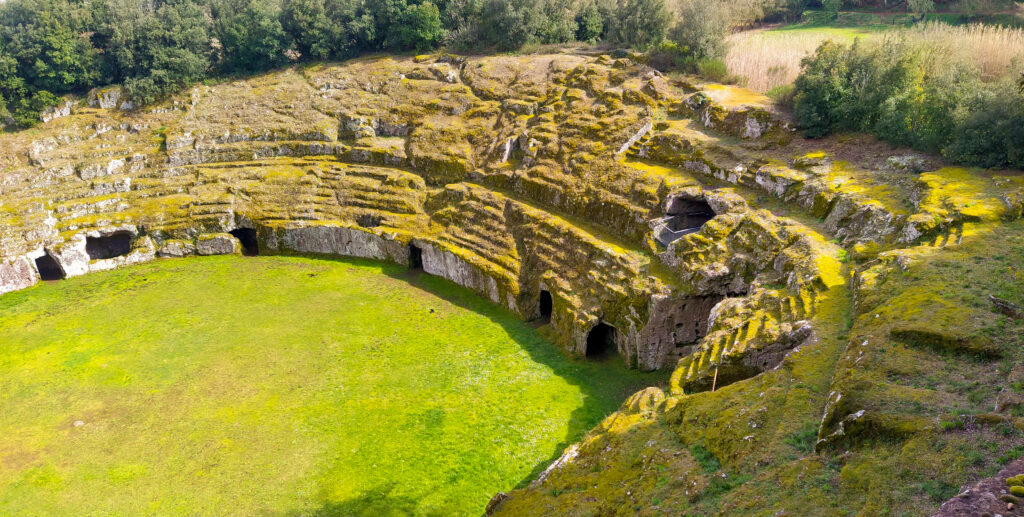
43 37
12 86
832 6
920 6
639 23
250 34
307 23
557 22
324 29
820 88
419 28
507 24
171 50
701 28
589 23
458 16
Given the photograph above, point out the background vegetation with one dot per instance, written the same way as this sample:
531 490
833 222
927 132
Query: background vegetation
954 85
941 89
156 47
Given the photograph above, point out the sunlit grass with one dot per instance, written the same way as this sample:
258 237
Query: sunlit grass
278 386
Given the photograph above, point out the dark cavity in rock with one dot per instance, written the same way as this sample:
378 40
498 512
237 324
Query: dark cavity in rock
415 257
545 306
48 268
601 341
109 246
683 217
247 236
368 220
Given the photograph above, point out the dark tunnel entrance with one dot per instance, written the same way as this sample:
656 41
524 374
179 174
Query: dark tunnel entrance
247 236
415 257
48 268
601 341
110 246
683 217
545 306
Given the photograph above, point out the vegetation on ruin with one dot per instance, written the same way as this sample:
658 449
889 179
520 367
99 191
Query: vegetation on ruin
279 386
837 312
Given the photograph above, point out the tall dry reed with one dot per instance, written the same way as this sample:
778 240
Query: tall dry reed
766 59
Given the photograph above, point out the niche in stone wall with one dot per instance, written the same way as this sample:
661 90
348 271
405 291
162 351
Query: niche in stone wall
415 257
109 246
685 215
601 341
546 305
250 244
368 220
48 268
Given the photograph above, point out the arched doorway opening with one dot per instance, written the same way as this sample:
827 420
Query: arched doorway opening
546 305
48 268
601 341
247 236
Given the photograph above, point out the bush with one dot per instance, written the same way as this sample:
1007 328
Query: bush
989 128
782 95
908 94
25 111
715 70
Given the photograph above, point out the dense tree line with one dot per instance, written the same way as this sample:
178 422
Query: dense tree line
908 95
156 47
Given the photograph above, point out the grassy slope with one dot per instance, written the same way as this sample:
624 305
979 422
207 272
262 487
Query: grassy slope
278 386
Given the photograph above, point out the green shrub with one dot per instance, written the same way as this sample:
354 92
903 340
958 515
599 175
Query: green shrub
715 70
782 95
909 95
25 111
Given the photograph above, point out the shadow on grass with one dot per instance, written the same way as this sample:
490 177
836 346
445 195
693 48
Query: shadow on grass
605 385
379 501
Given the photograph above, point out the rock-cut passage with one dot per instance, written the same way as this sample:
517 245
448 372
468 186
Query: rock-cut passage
48 268
247 236
546 305
601 341
279 386
108 246
415 257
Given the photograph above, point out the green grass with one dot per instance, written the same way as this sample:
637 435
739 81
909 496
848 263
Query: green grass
279 386
838 33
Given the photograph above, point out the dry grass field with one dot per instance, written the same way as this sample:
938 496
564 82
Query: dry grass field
765 59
